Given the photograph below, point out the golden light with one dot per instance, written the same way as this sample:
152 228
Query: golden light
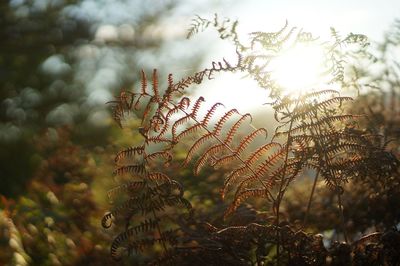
298 69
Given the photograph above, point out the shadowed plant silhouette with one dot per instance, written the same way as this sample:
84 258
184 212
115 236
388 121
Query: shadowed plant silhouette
315 131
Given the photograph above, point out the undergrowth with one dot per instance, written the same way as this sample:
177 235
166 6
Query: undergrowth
318 134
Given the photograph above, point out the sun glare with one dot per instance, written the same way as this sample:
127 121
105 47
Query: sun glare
299 69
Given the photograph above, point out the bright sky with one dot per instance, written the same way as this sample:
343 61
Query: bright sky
369 17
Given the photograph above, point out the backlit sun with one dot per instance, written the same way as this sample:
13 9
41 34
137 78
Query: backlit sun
299 69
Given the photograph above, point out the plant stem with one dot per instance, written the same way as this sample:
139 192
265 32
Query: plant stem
159 232
310 199
325 154
342 216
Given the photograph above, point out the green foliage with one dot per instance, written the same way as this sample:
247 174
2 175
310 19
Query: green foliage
55 221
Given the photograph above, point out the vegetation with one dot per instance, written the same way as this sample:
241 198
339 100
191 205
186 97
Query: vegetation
305 180
319 134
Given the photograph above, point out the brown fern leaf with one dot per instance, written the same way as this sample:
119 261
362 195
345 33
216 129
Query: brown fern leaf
210 113
180 202
231 178
331 181
254 193
158 176
271 161
117 114
156 93
310 109
223 120
188 131
179 122
143 83
170 81
261 171
127 208
167 124
184 103
346 147
116 245
122 104
288 101
135 169
196 146
232 131
249 138
106 221
318 94
218 148
347 163
291 170
304 126
224 160
156 122
146 226
146 113
129 152
165 155
128 187
196 107
264 149
158 140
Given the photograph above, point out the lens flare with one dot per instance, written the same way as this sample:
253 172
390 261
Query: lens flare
299 69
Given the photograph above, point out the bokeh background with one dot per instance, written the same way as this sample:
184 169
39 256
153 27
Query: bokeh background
62 60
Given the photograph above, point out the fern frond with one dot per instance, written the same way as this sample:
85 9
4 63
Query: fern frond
346 147
218 148
167 123
158 176
198 24
232 131
156 93
249 138
308 111
127 187
106 221
156 140
287 101
196 146
210 113
264 149
231 178
165 155
129 152
184 103
223 120
224 160
178 123
254 193
188 131
143 83
196 107
146 226
307 126
133 169
262 170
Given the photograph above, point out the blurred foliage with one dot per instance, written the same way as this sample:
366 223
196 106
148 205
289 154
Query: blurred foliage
59 64
61 61
56 222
